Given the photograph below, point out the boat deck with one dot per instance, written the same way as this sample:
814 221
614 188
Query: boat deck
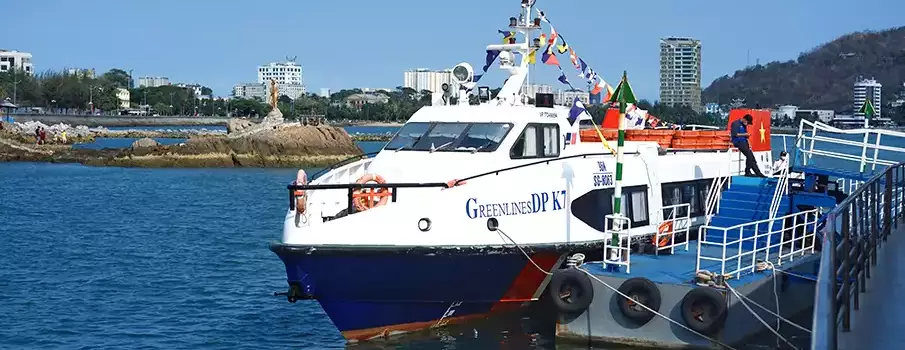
679 268
879 323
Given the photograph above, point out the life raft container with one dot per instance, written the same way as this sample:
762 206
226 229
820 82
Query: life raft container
704 310
367 198
641 291
570 290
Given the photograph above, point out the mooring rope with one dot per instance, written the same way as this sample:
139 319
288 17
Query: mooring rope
619 293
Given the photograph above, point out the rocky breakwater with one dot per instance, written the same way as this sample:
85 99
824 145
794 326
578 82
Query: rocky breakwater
272 143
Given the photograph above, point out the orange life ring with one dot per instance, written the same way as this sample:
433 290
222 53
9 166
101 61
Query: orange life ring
665 226
367 198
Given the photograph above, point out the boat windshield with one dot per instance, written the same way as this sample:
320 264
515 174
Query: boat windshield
434 137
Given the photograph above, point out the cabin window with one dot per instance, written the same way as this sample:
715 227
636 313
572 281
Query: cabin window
471 137
407 136
692 192
537 141
483 137
585 124
441 136
592 207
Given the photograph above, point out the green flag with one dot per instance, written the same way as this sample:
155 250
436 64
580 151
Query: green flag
623 93
867 109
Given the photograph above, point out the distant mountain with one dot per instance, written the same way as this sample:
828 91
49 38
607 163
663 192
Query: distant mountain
823 77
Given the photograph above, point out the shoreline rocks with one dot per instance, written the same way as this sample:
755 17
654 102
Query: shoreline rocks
274 145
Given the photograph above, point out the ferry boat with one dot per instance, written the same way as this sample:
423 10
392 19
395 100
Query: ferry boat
467 209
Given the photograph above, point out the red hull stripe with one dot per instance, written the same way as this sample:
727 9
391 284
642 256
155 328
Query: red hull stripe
527 283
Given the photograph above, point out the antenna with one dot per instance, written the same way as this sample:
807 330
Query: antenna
291 59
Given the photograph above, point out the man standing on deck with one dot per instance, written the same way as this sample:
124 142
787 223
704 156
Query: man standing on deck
739 133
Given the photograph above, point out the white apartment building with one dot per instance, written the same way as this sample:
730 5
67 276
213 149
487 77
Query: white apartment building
88 72
153 81
565 98
288 76
325 93
785 111
20 61
425 79
680 72
867 89
250 90
534 89
124 97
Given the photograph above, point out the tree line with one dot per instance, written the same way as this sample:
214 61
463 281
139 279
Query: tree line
64 91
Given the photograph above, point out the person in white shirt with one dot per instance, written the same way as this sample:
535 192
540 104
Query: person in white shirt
782 162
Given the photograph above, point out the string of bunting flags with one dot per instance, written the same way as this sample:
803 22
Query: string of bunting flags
636 118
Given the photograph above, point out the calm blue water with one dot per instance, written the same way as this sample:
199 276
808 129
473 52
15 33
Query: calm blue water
171 258
161 258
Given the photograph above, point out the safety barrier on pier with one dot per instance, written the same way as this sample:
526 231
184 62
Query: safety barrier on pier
853 233
821 140
740 247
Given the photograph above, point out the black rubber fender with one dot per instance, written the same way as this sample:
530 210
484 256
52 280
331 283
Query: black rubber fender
704 310
570 290
643 291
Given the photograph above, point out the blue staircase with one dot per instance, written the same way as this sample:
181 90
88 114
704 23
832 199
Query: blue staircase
747 200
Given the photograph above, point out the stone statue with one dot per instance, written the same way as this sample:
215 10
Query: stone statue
274 94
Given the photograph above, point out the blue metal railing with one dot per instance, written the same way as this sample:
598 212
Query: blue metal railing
850 251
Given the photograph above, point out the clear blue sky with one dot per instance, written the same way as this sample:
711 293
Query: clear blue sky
345 44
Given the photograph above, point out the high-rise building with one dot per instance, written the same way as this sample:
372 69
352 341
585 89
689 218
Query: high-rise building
288 76
20 61
153 81
867 89
680 72
425 79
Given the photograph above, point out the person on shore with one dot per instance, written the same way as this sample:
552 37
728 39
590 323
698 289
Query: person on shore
43 136
739 134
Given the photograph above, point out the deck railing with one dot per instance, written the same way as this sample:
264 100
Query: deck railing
711 205
870 151
741 248
618 253
854 231
782 189
672 224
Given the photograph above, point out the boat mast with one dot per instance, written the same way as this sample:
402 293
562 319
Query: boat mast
518 71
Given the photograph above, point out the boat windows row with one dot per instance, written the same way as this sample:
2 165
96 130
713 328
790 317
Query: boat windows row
433 137
592 207
537 140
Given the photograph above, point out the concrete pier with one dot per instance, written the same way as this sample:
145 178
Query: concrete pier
879 324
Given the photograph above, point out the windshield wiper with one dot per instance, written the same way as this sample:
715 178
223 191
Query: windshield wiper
441 147
411 144
482 147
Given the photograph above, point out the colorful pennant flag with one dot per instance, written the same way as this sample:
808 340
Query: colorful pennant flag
491 56
576 110
508 36
532 57
564 47
549 57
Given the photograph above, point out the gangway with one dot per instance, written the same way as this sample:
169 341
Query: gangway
855 259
